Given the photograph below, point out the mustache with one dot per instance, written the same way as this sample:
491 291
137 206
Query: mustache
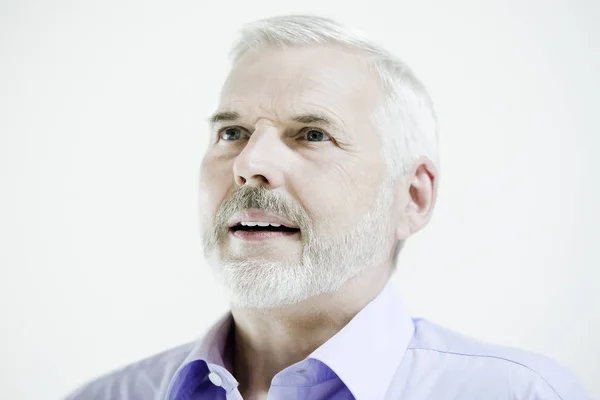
259 197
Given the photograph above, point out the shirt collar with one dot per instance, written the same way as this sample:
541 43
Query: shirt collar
365 354
210 348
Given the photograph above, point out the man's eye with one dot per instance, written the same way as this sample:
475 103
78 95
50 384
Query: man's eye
231 133
315 135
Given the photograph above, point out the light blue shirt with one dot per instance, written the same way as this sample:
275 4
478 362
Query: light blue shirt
382 354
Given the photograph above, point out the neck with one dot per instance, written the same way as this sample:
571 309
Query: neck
266 341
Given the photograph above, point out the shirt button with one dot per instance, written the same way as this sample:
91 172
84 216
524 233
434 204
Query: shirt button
215 379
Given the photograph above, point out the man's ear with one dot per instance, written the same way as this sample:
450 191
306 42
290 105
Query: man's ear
415 198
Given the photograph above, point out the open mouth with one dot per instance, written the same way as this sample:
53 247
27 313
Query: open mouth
259 231
262 227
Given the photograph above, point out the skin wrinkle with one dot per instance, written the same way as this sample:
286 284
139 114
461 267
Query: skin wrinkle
339 135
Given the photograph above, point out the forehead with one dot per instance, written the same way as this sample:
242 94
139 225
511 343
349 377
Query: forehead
279 83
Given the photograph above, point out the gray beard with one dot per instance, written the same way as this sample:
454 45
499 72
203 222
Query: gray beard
326 263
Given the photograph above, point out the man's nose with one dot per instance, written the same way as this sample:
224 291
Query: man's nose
261 160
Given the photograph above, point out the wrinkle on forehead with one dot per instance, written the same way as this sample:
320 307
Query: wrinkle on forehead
280 83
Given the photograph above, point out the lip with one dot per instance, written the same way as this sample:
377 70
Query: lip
255 215
261 236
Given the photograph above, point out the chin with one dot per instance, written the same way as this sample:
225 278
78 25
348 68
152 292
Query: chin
259 283
262 282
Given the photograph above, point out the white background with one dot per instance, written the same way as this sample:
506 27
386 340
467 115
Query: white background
102 130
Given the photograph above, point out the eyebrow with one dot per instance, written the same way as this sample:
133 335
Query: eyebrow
223 116
312 118
308 118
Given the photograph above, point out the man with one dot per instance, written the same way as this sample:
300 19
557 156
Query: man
322 161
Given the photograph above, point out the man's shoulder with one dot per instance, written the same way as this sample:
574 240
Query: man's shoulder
145 379
519 372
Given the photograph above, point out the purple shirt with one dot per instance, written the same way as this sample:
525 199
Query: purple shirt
382 353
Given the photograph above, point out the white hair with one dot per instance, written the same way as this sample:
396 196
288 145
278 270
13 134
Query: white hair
404 119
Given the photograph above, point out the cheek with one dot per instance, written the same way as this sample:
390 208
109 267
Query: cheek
332 203
337 197
216 180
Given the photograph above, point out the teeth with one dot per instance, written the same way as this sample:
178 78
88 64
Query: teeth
260 224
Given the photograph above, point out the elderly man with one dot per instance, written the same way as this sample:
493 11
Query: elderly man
322 161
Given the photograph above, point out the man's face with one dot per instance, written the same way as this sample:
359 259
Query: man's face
293 143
